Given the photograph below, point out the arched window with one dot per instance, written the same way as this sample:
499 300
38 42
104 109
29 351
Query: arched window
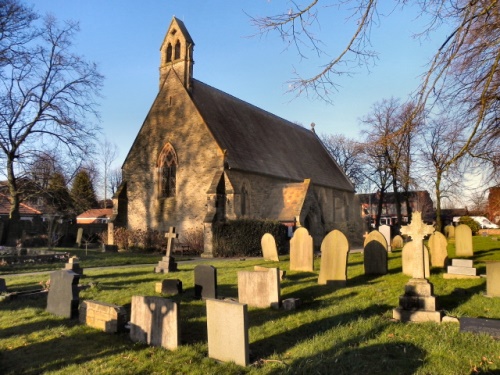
167 167
177 54
169 52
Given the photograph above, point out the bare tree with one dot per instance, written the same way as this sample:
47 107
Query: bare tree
115 180
108 153
47 99
347 154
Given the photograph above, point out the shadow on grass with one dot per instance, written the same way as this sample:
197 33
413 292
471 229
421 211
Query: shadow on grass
458 297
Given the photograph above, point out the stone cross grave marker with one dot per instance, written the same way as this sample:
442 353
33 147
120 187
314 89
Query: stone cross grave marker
334 251
463 241
63 297
418 230
408 261
168 264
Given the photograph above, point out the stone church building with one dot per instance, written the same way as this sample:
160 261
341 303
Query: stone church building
203 156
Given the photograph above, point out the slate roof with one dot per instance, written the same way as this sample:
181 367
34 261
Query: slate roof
24 209
260 142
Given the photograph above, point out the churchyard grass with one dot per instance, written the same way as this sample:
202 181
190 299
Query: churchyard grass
341 331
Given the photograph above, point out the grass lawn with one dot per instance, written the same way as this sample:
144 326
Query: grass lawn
335 331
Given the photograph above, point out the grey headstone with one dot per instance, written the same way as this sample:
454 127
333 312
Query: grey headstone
462 262
3 287
169 286
63 297
155 321
205 282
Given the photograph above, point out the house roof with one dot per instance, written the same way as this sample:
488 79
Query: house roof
24 209
96 213
260 142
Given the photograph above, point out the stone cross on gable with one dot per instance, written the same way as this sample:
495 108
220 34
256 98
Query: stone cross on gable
417 230
170 236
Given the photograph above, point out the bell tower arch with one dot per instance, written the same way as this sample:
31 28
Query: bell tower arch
176 53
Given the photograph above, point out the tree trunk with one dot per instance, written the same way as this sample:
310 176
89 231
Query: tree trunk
438 203
14 225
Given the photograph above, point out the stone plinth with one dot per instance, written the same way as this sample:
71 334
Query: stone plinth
104 316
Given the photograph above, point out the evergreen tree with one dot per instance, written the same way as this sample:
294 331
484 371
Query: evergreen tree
59 197
83 193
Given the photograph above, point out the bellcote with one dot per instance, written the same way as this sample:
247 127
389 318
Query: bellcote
177 53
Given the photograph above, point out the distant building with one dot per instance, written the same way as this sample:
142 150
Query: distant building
419 201
95 216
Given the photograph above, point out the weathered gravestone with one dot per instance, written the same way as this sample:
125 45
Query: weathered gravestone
463 241
397 242
493 278
438 247
205 282
155 321
269 249
449 231
63 297
461 269
74 265
417 304
301 251
386 232
104 316
227 331
169 286
259 288
3 286
334 251
168 263
408 260
477 325
79 234
375 254
261 268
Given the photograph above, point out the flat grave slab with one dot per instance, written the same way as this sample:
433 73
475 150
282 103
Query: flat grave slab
478 325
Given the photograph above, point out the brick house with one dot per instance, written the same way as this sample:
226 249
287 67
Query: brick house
203 156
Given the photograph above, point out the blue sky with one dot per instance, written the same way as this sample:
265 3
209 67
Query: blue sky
124 38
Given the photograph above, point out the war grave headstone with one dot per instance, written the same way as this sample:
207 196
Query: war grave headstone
259 288
3 286
480 325
375 254
461 269
397 242
438 248
463 241
104 316
79 235
493 278
155 321
301 251
168 263
74 265
269 249
417 304
169 286
408 260
386 232
449 231
205 281
227 331
63 297
334 251
261 268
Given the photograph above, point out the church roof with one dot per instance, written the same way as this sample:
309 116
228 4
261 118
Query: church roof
260 142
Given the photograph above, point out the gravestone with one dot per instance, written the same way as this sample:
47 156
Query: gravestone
155 321
375 254
334 251
169 286
104 316
269 249
461 269
63 296
261 268
168 263
408 260
301 251
74 265
397 242
3 286
227 331
205 282
463 241
438 248
449 231
79 234
417 304
477 325
493 278
259 288
386 232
